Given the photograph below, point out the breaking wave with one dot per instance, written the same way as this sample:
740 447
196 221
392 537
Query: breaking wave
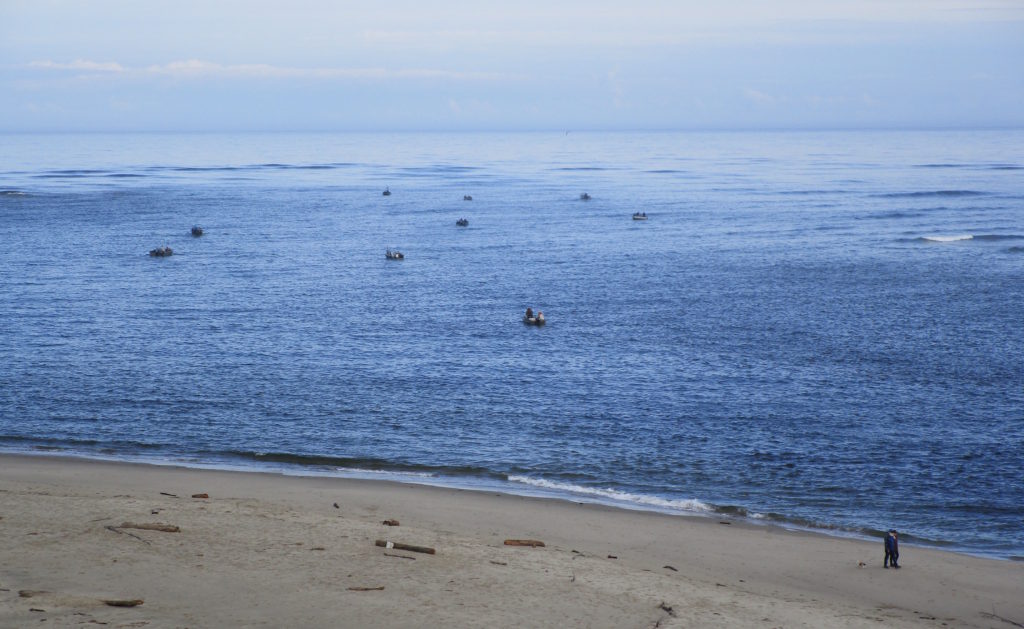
981 237
617 497
946 238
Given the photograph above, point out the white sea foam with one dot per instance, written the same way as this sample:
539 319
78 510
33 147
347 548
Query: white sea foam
620 498
948 238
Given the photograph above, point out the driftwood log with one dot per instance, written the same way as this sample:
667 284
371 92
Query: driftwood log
399 546
532 543
366 589
154 526
135 602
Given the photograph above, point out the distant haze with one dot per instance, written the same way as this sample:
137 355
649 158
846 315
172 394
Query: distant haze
124 65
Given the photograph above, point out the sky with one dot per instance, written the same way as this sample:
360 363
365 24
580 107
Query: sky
397 65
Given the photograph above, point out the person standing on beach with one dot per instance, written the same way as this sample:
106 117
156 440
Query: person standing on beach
892 549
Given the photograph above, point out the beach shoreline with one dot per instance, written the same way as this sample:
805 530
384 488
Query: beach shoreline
269 549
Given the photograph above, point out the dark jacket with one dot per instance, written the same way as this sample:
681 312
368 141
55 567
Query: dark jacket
892 544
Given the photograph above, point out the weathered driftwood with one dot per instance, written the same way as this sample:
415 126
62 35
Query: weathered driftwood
150 526
366 589
135 602
533 543
164 493
670 568
120 532
200 495
31 593
397 545
390 522
1006 620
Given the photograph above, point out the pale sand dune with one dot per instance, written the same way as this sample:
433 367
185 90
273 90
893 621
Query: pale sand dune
272 551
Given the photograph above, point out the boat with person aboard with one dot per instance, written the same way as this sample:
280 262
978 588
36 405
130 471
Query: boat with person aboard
534 319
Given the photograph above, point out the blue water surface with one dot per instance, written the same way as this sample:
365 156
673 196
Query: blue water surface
818 329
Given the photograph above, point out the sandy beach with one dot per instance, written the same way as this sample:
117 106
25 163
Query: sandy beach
267 550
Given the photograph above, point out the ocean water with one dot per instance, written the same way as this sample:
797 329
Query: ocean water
819 330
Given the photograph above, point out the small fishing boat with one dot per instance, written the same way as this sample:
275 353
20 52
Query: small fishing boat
639 216
534 319
462 222
387 192
394 254
161 252
584 197
197 231
467 197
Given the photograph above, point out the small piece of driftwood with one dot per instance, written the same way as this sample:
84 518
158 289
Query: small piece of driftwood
390 522
365 589
150 526
135 602
399 546
31 593
120 532
1006 620
670 568
164 493
200 495
399 556
533 543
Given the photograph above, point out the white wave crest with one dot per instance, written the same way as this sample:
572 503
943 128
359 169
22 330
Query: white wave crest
614 495
948 238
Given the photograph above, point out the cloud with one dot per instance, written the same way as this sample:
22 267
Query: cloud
759 97
198 69
79 64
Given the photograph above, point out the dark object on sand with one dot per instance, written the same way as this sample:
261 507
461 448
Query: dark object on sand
399 546
135 602
532 543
